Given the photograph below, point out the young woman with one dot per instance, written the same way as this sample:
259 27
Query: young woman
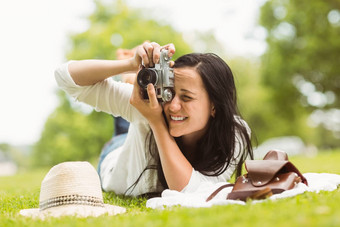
196 137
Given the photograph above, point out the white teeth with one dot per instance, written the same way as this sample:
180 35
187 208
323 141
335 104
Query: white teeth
177 118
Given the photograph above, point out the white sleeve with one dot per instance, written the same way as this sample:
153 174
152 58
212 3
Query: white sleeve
108 96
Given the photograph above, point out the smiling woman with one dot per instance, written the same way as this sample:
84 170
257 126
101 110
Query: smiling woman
197 136
206 101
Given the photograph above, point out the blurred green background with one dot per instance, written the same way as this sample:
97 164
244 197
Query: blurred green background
291 90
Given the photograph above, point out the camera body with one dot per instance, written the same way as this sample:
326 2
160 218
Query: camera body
161 76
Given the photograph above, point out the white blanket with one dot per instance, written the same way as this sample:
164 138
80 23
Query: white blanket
316 182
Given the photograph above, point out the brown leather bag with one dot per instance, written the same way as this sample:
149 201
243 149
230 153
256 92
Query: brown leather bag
272 175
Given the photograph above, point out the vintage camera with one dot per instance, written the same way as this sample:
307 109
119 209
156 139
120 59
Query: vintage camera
161 76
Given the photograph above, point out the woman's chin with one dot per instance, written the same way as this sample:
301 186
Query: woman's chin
175 133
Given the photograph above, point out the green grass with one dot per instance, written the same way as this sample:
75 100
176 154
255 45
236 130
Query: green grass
309 209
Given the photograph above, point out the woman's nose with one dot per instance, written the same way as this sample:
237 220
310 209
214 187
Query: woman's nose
175 104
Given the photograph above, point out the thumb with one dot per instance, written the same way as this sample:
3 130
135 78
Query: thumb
152 96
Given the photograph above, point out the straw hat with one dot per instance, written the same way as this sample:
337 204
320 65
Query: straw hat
71 188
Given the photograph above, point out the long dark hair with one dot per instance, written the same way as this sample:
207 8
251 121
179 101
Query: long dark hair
217 149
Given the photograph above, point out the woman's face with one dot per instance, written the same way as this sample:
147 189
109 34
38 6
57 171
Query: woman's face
188 113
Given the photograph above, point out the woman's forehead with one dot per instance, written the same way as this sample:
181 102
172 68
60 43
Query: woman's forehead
186 73
188 78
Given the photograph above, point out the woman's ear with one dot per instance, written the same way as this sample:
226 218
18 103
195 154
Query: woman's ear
213 111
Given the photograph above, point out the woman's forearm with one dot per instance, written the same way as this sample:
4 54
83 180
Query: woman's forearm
88 72
177 169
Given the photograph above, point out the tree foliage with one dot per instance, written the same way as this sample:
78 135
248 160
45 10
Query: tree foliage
253 97
300 64
116 26
71 134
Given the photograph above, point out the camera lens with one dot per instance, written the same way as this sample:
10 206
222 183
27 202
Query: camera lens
167 95
146 76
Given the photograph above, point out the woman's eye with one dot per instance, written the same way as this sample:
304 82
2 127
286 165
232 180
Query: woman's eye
186 98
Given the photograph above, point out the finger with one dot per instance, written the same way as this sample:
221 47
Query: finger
140 52
156 52
171 49
152 96
172 63
149 51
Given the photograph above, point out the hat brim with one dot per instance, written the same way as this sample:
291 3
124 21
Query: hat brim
73 210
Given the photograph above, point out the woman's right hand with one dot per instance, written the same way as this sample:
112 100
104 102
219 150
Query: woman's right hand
148 54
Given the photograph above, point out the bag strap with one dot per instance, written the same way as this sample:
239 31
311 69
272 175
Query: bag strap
276 155
217 191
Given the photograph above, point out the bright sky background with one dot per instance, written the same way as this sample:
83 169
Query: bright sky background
33 40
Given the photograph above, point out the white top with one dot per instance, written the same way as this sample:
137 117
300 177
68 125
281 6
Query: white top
121 168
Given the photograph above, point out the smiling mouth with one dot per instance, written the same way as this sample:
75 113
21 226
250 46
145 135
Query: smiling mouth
177 118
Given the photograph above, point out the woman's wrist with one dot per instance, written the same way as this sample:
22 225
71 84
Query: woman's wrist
133 65
157 123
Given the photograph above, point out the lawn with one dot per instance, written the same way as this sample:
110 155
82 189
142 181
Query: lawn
309 209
